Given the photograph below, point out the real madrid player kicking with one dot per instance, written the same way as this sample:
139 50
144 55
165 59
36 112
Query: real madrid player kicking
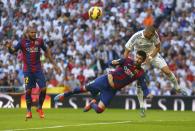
148 41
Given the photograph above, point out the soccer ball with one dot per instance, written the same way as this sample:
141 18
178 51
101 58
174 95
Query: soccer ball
95 12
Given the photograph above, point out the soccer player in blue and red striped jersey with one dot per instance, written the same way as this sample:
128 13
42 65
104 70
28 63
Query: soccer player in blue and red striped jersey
31 50
126 72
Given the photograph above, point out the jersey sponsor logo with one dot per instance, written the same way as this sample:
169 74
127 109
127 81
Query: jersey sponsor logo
143 46
128 71
32 49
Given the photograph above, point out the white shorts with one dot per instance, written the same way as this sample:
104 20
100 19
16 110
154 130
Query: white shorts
158 61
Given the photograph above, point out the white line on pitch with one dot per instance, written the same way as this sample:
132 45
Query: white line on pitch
91 124
54 127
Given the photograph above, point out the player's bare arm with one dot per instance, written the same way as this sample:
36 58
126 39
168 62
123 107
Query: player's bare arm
48 55
9 47
155 51
126 53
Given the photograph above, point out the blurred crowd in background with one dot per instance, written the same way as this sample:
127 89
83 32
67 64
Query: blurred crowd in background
82 47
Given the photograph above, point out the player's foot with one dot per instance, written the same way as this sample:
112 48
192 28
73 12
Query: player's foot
142 112
28 115
41 113
182 91
59 97
88 106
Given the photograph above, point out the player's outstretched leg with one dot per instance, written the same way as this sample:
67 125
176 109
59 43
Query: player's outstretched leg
40 103
28 103
173 79
76 90
140 96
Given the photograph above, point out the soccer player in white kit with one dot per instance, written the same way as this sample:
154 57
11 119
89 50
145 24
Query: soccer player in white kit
148 41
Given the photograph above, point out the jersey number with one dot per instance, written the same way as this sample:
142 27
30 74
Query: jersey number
26 80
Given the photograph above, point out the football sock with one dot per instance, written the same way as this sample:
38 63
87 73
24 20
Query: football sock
140 97
28 100
173 79
41 98
76 90
96 108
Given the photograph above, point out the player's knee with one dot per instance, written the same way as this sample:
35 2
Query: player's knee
100 110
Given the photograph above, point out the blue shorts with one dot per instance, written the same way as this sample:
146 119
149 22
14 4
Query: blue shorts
101 85
31 78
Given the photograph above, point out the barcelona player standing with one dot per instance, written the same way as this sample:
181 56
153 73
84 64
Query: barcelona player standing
33 74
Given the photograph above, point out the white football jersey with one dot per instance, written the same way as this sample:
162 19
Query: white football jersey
139 42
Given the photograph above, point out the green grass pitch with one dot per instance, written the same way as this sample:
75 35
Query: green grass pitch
110 120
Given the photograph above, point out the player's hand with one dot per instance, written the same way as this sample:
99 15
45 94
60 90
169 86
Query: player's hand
115 62
148 59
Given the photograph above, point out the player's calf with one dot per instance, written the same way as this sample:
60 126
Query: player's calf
59 97
99 108
88 106
76 90
142 112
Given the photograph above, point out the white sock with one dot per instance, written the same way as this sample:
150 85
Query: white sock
173 79
140 96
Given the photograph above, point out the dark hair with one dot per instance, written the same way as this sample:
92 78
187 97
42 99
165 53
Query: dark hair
142 54
150 29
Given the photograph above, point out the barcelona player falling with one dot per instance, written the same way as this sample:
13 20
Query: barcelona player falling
31 50
107 85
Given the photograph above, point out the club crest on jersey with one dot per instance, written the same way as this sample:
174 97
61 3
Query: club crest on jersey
36 43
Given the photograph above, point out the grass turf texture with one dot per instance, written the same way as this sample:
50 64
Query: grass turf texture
110 120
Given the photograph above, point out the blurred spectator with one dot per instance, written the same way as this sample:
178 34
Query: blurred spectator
72 82
83 47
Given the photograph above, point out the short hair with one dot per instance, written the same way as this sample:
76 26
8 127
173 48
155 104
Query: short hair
142 54
150 29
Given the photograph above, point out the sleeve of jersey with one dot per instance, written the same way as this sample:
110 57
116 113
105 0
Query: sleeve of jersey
120 62
131 42
43 46
143 85
156 39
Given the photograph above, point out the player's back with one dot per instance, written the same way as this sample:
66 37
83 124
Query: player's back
126 73
31 54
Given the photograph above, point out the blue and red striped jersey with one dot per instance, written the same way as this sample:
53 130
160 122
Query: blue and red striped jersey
126 73
31 51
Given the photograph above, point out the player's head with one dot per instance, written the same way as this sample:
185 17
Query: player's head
140 57
31 33
149 32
